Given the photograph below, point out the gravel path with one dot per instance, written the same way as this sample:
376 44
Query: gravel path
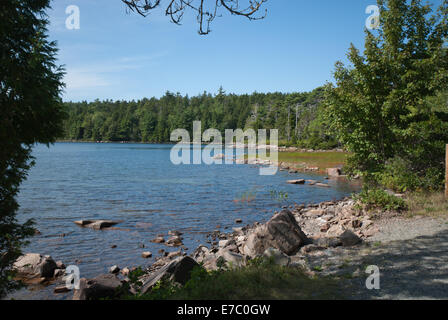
412 256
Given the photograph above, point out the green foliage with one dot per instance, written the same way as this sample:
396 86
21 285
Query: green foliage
153 120
260 279
383 104
31 113
398 176
279 195
372 198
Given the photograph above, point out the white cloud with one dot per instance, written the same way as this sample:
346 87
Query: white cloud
104 74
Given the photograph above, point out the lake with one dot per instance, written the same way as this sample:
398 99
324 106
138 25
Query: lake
138 184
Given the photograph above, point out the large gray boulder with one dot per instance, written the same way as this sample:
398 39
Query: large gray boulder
33 265
103 286
281 232
178 270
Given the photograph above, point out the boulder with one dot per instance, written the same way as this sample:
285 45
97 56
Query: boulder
333 172
232 259
200 253
103 286
33 265
348 238
146 255
114 269
96 224
281 232
178 270
335 230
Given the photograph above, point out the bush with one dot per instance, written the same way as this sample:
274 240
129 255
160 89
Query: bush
373 198
398 176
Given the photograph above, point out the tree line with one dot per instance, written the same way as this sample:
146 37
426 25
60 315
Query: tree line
298 116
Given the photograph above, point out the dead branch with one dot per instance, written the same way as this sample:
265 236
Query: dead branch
175 9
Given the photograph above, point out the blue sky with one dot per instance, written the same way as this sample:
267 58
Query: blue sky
119 55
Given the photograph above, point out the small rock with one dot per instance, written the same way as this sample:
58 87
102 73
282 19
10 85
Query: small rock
125 271
61 289
322 185
370 232
299 181
146 254
174 241
158 240
60 265
174 254
311 248
58 273
238 220
114 269
348 238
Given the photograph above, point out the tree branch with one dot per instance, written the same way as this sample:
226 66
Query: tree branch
176 8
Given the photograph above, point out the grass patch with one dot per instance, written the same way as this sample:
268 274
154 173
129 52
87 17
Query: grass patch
260 280
322 160
427 204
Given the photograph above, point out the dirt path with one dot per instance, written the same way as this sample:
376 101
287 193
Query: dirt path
412 256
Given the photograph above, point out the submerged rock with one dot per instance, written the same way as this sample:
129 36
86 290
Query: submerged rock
97 224
158 240
299 181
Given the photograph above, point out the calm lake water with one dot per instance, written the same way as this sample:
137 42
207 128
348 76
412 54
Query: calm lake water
137 184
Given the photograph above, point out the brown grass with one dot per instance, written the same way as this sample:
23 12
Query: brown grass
427 204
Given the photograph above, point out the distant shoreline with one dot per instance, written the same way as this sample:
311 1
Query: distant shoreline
280 148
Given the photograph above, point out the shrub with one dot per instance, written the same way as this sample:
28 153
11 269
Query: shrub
373 198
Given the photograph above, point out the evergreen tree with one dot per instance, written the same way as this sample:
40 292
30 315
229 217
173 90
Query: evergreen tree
31 112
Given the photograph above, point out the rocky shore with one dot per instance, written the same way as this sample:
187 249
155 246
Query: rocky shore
291 238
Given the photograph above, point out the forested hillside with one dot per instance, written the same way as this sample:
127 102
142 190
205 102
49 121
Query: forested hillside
296 115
